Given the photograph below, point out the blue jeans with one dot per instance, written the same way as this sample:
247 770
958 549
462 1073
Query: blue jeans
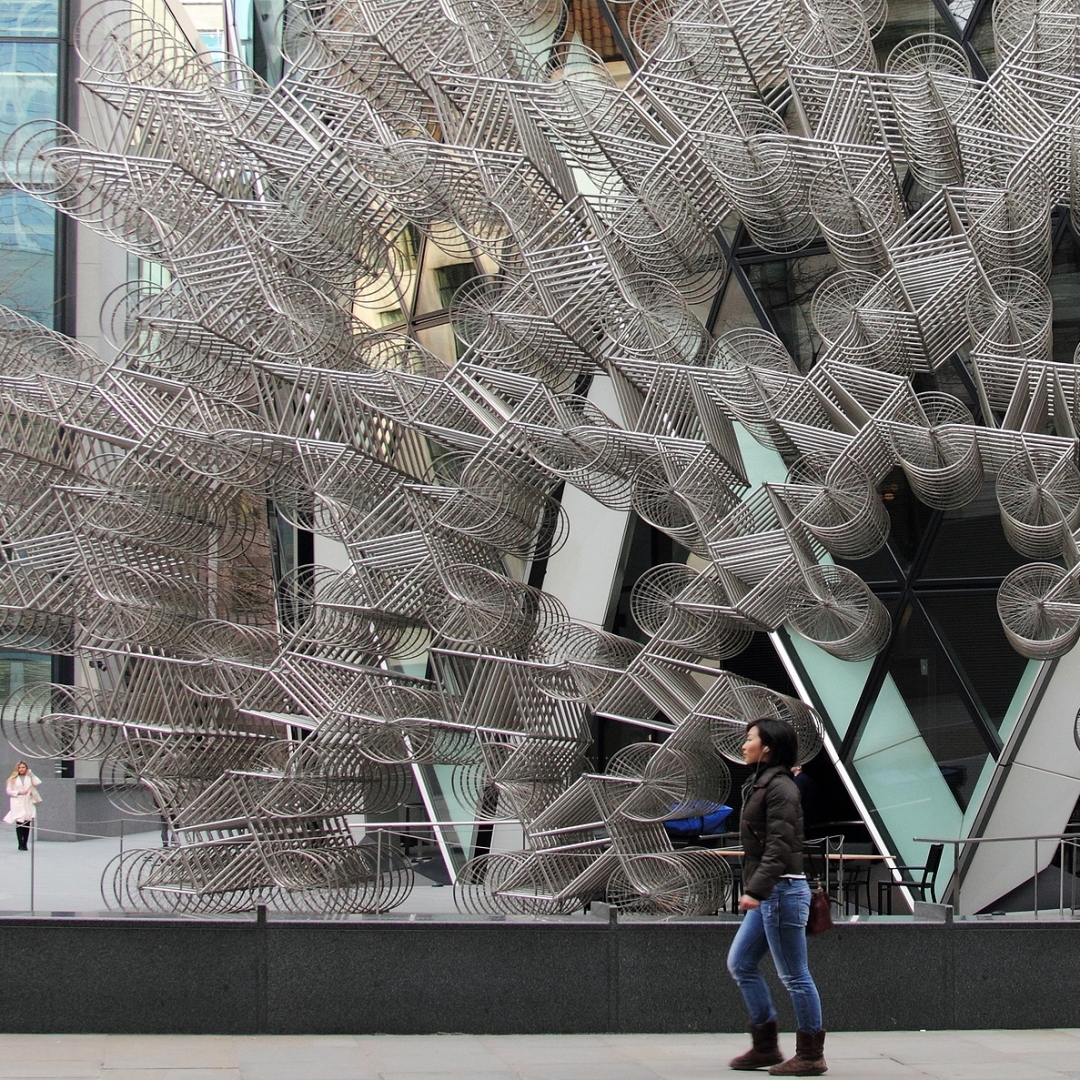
778 925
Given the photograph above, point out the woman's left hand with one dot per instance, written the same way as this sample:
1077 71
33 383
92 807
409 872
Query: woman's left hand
747 903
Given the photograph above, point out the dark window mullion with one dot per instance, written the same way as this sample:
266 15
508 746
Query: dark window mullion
752 255
871 688
946 586
414 301
978 68
722 288
880 667
625 48
973 19
1061 227
752 298
965 377
902 572
64 250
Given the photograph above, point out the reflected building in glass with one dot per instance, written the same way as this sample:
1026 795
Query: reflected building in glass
30 62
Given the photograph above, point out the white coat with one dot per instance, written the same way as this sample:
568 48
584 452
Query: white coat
22 807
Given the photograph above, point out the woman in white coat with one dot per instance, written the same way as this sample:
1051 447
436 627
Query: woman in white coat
22 790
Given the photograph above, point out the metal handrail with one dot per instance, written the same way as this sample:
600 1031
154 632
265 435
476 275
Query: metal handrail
1061 838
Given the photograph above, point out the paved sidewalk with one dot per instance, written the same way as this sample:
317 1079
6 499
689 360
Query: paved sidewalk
947 1055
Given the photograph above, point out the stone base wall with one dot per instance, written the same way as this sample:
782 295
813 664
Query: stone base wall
486 976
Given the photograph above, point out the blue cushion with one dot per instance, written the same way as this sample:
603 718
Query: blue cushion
695 826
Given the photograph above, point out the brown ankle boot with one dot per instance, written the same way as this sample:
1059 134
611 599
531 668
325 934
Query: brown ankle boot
809 1059
765 1051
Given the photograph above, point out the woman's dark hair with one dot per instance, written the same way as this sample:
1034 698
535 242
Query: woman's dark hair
779 736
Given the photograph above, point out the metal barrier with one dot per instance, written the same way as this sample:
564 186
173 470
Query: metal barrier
36 829
114 884
1069 842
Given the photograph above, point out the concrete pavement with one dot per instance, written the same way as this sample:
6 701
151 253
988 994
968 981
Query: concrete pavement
945 1055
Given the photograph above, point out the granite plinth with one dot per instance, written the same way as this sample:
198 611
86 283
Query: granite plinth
572 975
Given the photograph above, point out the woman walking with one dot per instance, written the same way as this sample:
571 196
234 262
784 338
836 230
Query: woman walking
22 790
776 902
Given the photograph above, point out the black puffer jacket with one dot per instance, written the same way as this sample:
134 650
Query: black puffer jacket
771 830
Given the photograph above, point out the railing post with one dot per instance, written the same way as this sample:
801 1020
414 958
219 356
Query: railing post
1035 878
1072 863
1061 880
1072 874
840 874
33 851
956 876
1068 847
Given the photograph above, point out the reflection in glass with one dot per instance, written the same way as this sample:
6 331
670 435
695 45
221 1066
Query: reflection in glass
961 11
24 669
929 689
906 787
1065 289
993 668
786 287
907 17
27 256
28 18
27 83
970 542
982 39
908 517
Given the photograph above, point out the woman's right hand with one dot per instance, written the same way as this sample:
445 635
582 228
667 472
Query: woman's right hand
748 903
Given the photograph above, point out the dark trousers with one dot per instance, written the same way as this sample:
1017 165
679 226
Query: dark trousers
22 831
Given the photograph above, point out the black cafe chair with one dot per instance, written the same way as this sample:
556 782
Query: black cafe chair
856 882
924 884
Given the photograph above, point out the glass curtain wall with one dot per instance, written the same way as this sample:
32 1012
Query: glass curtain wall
32 272
30 89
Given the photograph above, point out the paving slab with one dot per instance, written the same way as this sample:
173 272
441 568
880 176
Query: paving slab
893 1055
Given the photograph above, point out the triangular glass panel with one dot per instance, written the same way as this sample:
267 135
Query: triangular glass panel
1065 289
925 680
971 544
908 519
992 667
981 37
961 11
786 287
907 17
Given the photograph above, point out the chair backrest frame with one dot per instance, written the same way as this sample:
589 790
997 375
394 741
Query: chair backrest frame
933 861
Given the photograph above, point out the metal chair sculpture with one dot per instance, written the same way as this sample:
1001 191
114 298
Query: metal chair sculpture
930 81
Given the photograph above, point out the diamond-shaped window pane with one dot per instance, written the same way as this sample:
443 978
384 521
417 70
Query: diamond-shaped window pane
970 543
971 625
926 681
908 518
1065 289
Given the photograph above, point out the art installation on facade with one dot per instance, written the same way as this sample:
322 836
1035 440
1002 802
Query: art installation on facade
261 706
